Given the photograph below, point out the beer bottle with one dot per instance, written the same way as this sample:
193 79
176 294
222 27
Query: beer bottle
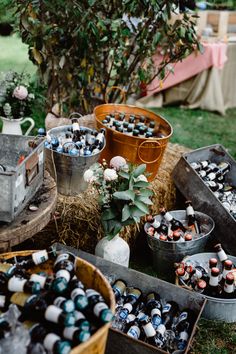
13 270
220 253
16 284
98 306
185 320
212 263
51 341
149 330
214 288
160 336
44 281
119 288
188 236
200 286
183 338
228 290
66 305
169 311
64 272
153 306
81 321
192 221
36 258
130 302
80 299
175 224
204 164
134 331
101 136
76 335
75 130
183 275
228 265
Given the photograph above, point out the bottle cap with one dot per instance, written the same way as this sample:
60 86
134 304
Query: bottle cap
215 271
59 285
68 306
63 347
36 287
228 263
69 319
81 302
83 336
106 316
201 284
135 132
152 124
163 237
230 278
125 124
188 237
213 262
180 271
148 135
142 119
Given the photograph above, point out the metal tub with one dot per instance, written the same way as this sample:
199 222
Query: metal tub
216 309
192 187
166 253
119 342
68 170
20 181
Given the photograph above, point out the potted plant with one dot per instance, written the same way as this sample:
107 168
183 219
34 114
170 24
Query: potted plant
124 197
15 102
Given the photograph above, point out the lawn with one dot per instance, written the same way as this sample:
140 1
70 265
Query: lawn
192 128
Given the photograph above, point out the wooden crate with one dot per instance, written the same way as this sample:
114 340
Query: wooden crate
219 20
119 342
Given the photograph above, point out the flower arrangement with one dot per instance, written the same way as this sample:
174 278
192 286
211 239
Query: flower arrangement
124 193
15 98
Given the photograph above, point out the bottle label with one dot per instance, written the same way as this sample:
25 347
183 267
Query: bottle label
2 300
134 332
77 292
59 301
161 329
131 317
78 316
166 308
75 126
222 255
68 332
128 306
168 216
50 340
214 281
182 317
40 257
62 257
229 288
21 299
91 292
183 336
52 313
155 312
190 210
38 278
99 307
63 273
225 272
141 315
16 284
149 330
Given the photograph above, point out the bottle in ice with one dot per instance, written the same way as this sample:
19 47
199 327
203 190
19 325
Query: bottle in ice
16 284
98 306
154 307
175 224
76 335
36 258
228 289
220 253
134 330
169 311
130 302
119 288
77 294
214 289
64 272
192 221
228 265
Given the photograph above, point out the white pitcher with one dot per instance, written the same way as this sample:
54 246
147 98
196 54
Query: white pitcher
13 126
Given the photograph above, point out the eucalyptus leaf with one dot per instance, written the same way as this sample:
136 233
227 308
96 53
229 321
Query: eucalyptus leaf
142 207
108 214
144 200
125 213
139 170
125 195
123 174
146 192
141 184
136 212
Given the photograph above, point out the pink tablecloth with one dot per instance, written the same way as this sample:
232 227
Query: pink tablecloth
214 55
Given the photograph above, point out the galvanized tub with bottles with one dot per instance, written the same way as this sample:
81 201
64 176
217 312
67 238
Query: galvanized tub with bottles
216 308
166 253
68 170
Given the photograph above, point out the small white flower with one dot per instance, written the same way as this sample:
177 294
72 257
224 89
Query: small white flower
117 162
20 92
31 96
141 178
110 174
89 176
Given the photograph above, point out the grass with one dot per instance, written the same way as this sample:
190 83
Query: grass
192 128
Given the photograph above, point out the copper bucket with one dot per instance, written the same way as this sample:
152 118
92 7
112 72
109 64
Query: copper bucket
135 149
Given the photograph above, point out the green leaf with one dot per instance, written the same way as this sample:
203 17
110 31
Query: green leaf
104 39
144 200
136 212
124 174
200 48
142 207
91 2
125 213
141 184
125 195
139 170
156 38
146 193
108 214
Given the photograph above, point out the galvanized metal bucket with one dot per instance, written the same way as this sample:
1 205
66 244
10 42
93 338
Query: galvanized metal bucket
216 309
166 253
68 170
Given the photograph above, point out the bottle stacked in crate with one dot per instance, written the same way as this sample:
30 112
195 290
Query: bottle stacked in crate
133 125
171 229
56 307
215 279
152 319
77 141
214 176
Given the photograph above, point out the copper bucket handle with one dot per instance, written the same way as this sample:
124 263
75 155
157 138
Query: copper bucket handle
148 141
122 93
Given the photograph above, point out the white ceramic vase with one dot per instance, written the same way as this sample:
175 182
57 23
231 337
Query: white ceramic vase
115 250
13 126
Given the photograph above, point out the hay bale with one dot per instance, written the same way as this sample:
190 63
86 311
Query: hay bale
79 224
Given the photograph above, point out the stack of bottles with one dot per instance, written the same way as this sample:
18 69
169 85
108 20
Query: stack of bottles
134 125
215 279
214 176
77 141
151 319
171 229
56 307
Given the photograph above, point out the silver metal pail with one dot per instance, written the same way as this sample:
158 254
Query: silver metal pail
216 309
68 170
166 253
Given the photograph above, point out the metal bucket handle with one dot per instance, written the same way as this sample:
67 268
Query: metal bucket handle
71 116
158 146
122 93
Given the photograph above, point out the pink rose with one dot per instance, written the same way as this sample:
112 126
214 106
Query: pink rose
20 92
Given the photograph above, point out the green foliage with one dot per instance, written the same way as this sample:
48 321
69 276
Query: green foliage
123 201
85 47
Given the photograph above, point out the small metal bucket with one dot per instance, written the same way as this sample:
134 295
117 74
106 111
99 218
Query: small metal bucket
166 253
68 170
216 309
